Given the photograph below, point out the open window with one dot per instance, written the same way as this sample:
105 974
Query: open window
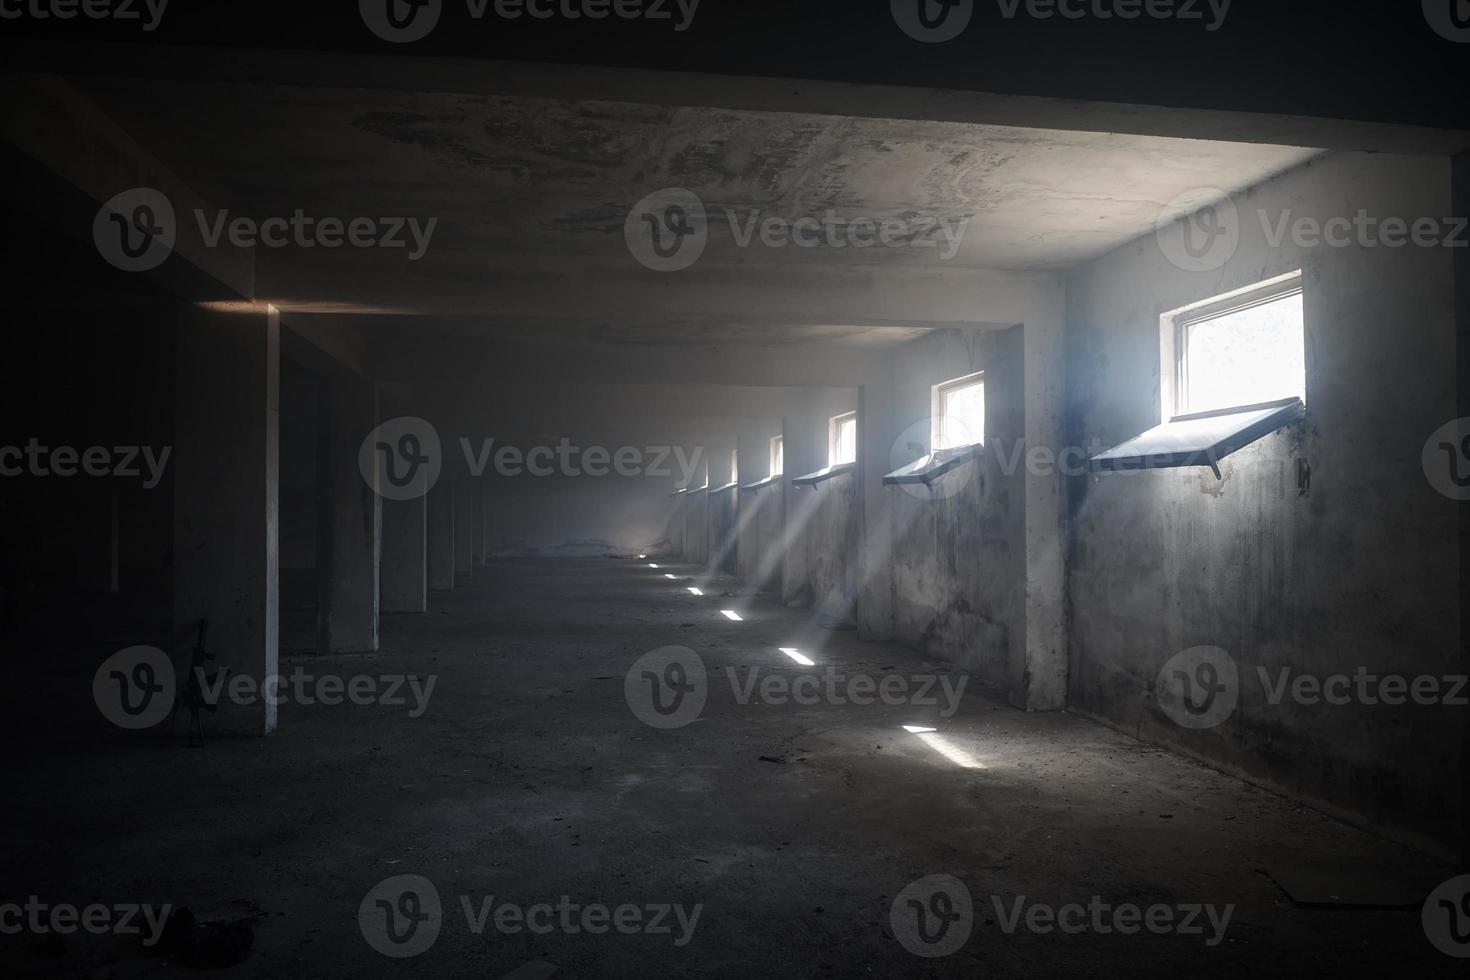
1245 348
959 413
778 456
842 439
1233 370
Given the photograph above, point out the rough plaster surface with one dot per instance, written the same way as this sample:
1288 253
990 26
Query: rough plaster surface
1358 570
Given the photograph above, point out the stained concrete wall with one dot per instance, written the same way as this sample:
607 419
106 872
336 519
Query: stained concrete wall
959 547
696 526
1356 568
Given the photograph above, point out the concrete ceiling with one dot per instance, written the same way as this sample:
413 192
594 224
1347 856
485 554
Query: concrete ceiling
529 190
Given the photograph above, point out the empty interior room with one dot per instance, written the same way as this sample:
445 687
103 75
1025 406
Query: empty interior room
626 488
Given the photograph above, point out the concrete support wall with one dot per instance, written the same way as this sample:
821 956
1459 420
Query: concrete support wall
405 576
696 526
464 529
481 516
441 536
1460 196
349 521
226 500
1298 559
959 546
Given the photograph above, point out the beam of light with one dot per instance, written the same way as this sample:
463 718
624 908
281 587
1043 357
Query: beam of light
918 729
946 748
744 515
652 565
694 591
799 657
732 615
667 575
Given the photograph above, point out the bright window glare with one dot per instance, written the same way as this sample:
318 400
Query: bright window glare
667 575
918 729
1246 357
732 615
694 591
799 657
961 420
652 565
844 440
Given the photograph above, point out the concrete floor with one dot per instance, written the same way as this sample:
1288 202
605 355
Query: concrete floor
528 778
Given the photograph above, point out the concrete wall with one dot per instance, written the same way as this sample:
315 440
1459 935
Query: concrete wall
1357 569
959 547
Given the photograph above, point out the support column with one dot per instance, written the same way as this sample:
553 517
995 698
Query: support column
488 537
804 433
349 521
441 536
878 429
226 500
464 529
406 555
477 496
1460 201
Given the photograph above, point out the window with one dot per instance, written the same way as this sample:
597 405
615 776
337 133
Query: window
1247 348
959 413
842 439
778 456
734 466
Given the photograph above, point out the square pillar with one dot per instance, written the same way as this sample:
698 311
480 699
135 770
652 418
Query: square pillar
477 495
441 536
406 555
349 520
464 530
226 500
